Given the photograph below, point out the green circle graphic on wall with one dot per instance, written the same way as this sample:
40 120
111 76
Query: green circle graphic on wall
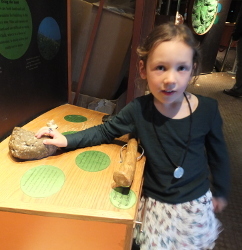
203 15
15 28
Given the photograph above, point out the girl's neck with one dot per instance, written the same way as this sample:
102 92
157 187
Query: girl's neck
179 109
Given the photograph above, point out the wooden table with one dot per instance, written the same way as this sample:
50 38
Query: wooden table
80 215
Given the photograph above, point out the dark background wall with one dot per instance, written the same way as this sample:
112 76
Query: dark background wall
233 10
35 80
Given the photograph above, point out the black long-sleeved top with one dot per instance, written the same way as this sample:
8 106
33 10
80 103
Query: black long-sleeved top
207 150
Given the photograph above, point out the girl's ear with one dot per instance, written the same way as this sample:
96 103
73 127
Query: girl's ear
142 70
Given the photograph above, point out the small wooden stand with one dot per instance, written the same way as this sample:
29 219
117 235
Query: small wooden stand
80 215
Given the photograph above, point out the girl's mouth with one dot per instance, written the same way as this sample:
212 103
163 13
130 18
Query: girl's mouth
168 92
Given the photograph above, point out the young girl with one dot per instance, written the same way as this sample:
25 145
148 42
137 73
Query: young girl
181 134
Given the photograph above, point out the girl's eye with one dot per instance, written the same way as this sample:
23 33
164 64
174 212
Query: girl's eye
161 68
182 68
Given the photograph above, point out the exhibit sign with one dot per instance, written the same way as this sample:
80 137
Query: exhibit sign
203 15
33 59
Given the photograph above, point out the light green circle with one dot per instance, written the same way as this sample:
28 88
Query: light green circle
15 28
121 199
42 181
93 161
75 118
69 132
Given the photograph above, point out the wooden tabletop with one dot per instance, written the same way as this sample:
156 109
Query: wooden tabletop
84 195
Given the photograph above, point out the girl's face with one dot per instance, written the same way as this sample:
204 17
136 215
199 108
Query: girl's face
168 70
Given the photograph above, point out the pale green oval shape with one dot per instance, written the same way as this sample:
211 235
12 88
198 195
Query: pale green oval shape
120 199
42 181
92 161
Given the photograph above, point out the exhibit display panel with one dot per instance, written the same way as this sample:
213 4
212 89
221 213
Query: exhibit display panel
33 59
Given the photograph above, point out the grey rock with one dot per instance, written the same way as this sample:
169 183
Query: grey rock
24 145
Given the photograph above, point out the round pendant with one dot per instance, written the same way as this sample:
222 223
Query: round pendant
178 173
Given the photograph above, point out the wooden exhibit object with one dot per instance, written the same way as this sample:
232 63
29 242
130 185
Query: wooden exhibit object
78 216
124 175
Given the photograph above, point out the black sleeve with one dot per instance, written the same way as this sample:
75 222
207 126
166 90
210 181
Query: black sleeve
218 158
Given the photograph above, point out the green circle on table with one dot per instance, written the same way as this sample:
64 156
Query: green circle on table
93 161
69 132
42 181
15 28
121 199
75 118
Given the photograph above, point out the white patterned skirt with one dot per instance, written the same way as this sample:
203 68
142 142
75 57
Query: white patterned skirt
185 226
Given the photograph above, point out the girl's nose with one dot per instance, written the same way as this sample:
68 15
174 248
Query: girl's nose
169 77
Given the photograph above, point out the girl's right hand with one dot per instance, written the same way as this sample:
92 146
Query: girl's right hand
219 204
58 139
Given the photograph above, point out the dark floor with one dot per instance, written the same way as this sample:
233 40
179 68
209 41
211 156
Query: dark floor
212 85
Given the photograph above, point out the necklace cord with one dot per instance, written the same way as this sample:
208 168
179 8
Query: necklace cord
189 135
